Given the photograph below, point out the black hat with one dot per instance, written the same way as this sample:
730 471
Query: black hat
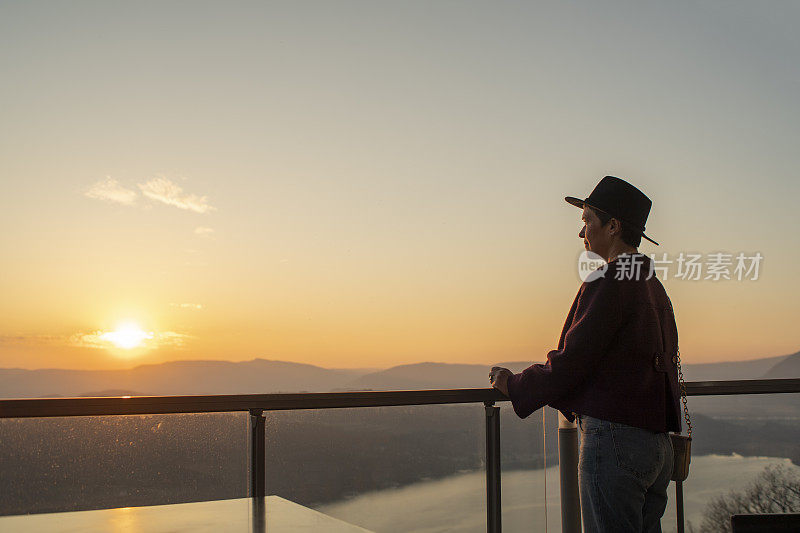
621 200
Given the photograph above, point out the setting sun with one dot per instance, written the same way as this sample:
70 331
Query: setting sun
127 336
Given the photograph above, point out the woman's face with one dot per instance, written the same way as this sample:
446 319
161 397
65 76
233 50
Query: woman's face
596 238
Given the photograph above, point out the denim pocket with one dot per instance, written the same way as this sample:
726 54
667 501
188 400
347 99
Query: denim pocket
588 425
638 451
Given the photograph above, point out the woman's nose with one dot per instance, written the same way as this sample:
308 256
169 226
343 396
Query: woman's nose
582 234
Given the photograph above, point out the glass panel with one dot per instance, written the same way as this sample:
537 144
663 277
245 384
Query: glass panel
523 477
737 440
386 469
94 462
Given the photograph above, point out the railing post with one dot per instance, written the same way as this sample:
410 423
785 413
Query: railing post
568 470
679 505
493 509
258 457
259 518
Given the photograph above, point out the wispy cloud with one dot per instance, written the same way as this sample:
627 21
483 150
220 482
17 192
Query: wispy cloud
167 192
30 339
187 306
110 190
98 339
203 231
150 340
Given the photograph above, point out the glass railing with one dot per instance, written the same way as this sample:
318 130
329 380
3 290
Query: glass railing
529 481
739 441
385 461
385 469
351 456
97 462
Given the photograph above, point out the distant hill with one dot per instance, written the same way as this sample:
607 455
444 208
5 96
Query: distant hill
760 406
424 376
789 367
176 378
432 376
264 376
750 369
456 376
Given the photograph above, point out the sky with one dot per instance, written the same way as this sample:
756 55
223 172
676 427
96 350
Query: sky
366 184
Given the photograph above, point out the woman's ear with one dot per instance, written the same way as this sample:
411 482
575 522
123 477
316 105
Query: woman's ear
615 226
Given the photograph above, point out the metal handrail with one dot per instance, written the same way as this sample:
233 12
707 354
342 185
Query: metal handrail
143 405
742 386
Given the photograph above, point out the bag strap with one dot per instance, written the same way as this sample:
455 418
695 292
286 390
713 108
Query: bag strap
683 394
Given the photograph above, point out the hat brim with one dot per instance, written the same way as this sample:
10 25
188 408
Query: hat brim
580 204
577 202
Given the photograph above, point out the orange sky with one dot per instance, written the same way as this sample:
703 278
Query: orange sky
380 185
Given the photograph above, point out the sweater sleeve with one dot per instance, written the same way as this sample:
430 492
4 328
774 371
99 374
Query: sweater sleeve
597 319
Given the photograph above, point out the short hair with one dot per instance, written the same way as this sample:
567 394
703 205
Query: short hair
629 236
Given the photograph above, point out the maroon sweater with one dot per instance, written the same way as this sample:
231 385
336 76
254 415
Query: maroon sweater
615 358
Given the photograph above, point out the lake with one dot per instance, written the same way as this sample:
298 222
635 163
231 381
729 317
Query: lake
458 503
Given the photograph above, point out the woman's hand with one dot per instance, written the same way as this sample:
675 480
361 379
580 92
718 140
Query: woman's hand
498 377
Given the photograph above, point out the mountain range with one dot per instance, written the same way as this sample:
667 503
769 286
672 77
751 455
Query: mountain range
268 376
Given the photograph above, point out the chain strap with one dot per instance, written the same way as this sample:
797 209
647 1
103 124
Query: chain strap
683 395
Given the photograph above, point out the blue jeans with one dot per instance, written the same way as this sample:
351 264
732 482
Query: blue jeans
623 473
